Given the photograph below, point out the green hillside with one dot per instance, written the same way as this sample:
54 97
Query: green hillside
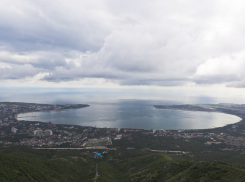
62 168
160 167
25 164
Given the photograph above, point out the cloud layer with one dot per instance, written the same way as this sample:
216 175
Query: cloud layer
165 43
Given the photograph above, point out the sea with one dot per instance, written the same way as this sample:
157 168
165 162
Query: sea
128 108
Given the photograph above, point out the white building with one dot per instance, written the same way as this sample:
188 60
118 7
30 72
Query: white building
13 130
118 137
48 132
38 132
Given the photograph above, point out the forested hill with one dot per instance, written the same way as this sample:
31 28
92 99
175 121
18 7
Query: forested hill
25 164
34 167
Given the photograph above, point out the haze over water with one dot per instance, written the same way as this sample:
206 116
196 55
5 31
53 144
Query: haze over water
133 114
108 110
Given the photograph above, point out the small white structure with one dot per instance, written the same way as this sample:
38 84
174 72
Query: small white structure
13 130
118 137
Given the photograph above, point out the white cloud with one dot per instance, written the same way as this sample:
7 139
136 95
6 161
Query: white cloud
18 71
222 65
156 42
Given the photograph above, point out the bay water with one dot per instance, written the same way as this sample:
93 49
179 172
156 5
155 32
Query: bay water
133 114
126 108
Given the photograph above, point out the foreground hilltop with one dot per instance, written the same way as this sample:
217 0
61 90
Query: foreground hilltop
25 164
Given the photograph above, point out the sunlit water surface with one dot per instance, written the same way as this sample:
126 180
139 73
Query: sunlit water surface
126 108
133 115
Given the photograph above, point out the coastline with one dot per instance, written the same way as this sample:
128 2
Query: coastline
209 111
16 115
205 111
235 121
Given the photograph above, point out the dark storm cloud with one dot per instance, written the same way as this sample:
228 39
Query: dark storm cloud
165 43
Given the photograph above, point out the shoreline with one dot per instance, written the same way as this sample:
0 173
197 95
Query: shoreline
208 112
204 111
240 119
16 115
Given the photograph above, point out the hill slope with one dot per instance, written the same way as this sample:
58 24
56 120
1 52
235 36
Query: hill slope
160 167
25 164
68 169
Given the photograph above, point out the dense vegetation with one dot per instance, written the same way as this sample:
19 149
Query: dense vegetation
143 166
29 165
194 145
26 164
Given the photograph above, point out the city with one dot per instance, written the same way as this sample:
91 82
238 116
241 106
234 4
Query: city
50 135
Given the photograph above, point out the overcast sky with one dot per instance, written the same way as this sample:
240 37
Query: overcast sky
186 43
